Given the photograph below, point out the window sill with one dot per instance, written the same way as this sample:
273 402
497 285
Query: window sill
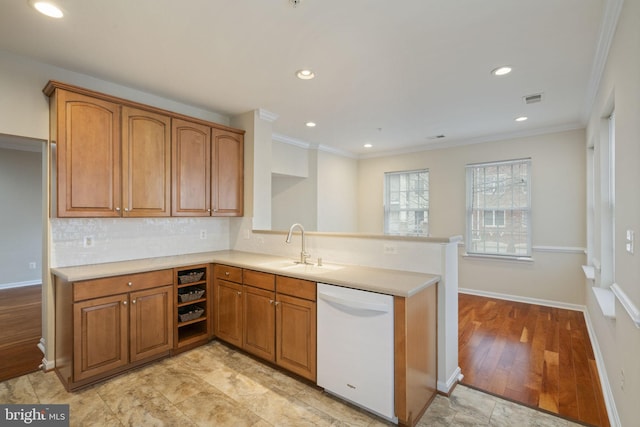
606 301
500 257
589 272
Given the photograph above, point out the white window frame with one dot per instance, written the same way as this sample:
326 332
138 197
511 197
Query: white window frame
476 213
389 207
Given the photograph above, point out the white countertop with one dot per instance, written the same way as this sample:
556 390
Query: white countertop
391 282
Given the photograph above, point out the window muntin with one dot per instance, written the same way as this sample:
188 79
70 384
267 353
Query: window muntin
499 208
406 206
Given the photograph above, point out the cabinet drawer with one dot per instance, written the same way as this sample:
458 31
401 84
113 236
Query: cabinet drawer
296 287
226 272
120 284
259 280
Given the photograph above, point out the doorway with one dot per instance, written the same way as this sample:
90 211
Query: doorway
21 241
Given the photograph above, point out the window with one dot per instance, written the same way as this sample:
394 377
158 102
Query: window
406 202
499 208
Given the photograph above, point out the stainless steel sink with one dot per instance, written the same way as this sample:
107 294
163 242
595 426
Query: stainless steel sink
292 266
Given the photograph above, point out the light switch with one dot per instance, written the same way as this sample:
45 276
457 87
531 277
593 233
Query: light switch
630 241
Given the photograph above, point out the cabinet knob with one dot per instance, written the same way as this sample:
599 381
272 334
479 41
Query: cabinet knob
126 209
124 303
270 301
277 302
130 284
117 209
208 210
133 302
226 273
239 293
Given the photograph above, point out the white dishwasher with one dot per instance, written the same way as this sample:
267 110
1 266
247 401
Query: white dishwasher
355 347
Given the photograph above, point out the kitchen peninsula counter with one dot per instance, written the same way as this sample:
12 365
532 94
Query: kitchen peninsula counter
391 282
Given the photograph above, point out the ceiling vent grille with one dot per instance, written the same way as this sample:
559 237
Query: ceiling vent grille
532 99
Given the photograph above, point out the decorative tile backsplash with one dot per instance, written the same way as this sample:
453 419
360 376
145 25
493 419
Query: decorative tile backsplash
84 241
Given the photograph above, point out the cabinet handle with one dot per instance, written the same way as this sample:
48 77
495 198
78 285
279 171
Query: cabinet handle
130 284
124 303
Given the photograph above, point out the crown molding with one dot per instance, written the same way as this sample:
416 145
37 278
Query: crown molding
267 116
478 140
310 146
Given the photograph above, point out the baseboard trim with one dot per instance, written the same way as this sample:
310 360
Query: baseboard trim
609 402
447 388
47 365
20 284
527 300
40 345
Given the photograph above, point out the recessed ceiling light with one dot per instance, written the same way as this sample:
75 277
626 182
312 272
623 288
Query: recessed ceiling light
521 118
368 145
305 74
48 8
310 124
501 71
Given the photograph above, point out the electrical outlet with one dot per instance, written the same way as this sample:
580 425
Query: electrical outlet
32 265
630 241
390 249
88 241
203 234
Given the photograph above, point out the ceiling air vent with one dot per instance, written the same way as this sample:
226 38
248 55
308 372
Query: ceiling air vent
532 99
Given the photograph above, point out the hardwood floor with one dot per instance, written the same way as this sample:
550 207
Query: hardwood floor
536 355
20 330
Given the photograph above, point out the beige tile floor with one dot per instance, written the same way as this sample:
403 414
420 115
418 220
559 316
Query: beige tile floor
215 385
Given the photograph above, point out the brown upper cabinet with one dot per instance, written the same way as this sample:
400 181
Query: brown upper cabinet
227 173
87 155
146 163
207 170
116 158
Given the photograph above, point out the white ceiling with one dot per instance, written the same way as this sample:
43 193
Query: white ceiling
391 73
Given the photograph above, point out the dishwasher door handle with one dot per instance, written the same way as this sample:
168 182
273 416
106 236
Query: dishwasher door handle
351 303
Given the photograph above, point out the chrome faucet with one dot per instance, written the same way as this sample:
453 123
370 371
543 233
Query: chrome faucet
303 253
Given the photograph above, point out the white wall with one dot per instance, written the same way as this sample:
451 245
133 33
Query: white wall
21 213
619 339
337 193
558 217
313 187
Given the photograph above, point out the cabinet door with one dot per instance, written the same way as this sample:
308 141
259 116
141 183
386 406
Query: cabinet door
228 311
227 173
151 319
191 169
258 335
88 156
296 335
146 163
101 336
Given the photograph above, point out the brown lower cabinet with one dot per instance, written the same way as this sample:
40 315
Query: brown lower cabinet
272 317
107 325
